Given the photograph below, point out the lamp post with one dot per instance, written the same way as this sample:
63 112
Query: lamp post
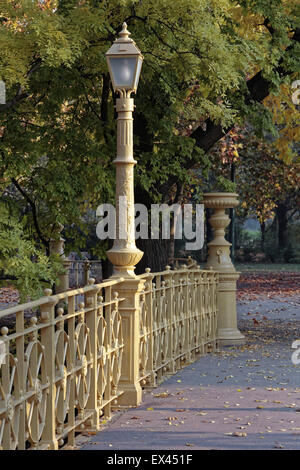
124 63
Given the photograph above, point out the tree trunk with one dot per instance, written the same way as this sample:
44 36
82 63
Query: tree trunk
155 255
106 265
171 244
281 212
263 235
232 217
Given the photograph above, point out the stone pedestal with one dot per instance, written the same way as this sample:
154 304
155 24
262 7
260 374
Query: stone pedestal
57 247
130 290
219 260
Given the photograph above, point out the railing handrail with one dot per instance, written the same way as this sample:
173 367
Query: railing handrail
176 270
55 298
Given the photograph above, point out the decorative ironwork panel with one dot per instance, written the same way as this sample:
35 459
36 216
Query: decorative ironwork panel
183 304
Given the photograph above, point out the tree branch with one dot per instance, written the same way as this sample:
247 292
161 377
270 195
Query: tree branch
258 90
34 215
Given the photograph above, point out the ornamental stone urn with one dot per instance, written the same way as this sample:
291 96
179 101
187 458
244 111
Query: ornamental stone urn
219 260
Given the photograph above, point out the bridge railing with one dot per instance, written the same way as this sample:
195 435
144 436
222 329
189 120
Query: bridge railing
61 368
68 360
178 320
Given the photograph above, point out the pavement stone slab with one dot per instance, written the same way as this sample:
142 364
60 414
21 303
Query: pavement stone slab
239 398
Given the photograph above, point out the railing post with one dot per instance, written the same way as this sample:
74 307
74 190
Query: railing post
197 312
186 341
91 322
48 343
149 306
130 290
20 353
168 277
219 260
215 309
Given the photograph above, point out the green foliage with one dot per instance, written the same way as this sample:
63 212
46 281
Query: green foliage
21 263
58 129
225 185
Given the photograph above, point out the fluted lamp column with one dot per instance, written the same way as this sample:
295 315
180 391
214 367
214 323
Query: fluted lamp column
124 62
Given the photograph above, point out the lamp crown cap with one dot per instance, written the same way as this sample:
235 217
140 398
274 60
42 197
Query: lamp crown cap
124 34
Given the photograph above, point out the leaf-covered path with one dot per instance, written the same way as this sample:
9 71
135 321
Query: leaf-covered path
246 397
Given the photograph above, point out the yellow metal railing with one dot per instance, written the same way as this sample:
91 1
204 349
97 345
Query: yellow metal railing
61 371
178 320
67 363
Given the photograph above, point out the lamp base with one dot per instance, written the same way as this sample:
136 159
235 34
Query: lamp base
124 261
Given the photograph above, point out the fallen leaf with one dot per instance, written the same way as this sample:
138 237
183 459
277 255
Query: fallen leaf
162 395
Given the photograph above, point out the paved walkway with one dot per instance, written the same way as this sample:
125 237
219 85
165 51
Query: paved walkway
246 397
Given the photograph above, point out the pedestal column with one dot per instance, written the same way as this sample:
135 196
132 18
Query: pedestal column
219 260
130 290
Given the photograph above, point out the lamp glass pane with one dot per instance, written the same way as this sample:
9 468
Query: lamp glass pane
138 72
123 69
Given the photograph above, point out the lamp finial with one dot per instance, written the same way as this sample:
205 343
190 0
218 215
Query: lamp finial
124 34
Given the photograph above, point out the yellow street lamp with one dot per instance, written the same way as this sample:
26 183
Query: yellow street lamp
124 63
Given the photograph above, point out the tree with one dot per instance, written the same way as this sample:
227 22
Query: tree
21 263
269 188
208 64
